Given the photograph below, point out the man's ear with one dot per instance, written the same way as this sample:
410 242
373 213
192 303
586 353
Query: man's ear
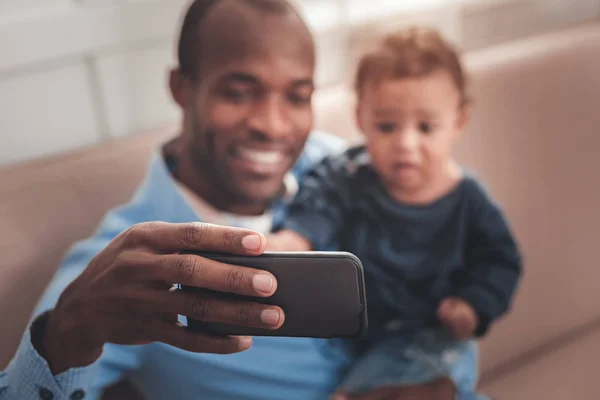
181 88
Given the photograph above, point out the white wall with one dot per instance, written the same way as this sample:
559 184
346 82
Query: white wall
77 72
74 73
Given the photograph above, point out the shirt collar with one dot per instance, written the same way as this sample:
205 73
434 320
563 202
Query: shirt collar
163 168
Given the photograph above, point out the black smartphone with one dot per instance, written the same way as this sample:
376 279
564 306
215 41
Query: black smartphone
321 293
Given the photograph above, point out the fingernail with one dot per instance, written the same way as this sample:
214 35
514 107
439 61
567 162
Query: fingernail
251 242
270 317
245 343
263 283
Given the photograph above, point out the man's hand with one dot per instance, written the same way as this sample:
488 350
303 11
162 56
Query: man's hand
125 295
459 317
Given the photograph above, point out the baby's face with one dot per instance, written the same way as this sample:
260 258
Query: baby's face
411 126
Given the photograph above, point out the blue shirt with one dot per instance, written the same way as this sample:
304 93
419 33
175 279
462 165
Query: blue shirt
274 368
414 256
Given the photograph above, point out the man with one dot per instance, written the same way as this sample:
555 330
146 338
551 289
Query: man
244 84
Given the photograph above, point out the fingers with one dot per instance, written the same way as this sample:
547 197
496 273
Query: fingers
461 331
212 308
465 325
179 336
458 317
196 271
449 308
446 309
448 314
166 237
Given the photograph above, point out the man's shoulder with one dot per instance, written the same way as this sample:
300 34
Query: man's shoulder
325 148
342 168
156 198
349 163
326 141
320 145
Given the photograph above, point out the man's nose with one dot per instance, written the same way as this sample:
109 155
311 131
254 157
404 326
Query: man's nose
270 117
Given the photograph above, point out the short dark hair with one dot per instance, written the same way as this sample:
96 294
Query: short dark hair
189 38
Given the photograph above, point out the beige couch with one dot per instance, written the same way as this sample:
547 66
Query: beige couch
532 139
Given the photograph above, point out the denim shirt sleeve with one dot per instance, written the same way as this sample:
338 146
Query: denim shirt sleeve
28 375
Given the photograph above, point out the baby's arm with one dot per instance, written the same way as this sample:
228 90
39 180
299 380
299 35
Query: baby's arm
315 216
494 268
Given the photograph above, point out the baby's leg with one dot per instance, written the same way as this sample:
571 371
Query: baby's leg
422 366
440 389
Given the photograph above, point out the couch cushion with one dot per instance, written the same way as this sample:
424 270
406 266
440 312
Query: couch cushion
534 138
566 373
47 205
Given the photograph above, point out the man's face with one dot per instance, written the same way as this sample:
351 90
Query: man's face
250 111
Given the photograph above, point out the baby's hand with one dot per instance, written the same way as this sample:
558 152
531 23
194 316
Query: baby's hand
459 317
287 240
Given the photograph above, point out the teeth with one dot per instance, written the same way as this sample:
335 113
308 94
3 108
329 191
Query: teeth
260 156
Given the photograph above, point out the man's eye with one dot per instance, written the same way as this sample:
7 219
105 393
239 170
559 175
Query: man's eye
426 127
237 95
299 99
386 127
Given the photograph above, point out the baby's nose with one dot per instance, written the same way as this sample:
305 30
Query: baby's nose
408 140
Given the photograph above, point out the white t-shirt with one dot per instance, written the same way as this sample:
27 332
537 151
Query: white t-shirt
207 213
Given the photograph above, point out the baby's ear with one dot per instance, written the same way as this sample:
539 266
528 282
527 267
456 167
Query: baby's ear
357 116
464 117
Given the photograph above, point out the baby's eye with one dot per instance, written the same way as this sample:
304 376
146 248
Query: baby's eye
386 127
426 127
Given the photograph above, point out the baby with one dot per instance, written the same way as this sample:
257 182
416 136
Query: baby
441 264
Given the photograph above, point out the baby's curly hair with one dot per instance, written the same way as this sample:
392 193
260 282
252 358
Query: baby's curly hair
412 52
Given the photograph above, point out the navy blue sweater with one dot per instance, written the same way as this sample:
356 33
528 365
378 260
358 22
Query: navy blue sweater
414 256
